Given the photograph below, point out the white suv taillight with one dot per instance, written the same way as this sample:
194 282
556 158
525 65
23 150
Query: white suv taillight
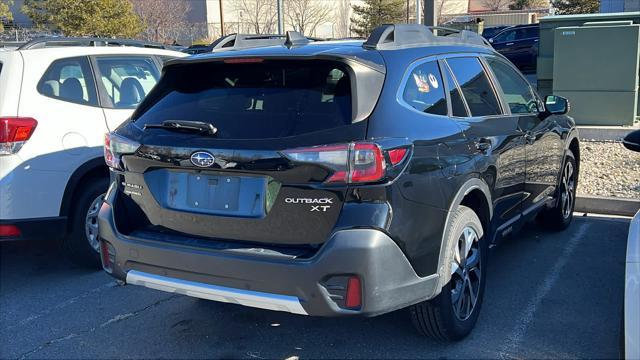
114 147
14 132
357 162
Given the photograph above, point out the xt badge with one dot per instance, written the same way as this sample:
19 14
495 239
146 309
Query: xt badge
324 204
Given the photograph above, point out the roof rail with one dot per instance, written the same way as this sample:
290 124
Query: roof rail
46 42
247 41
390 36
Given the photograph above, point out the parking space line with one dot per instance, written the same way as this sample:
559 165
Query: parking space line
517 334
61 305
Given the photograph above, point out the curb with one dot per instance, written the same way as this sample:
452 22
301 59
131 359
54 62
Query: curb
604 133
607 205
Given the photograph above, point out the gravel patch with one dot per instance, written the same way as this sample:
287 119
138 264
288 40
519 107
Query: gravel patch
609 169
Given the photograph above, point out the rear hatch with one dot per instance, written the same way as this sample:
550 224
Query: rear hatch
255 166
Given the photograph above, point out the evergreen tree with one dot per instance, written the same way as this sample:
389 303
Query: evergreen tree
576 6
5 12
108 18
376 12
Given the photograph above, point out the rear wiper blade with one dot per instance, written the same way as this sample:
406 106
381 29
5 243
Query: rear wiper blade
184 125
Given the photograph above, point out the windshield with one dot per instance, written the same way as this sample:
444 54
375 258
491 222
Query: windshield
269 99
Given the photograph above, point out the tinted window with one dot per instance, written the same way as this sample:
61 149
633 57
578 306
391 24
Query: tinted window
127 80
424 90
507 35
69 80
457 104
252 101
517 92
527 33
475 86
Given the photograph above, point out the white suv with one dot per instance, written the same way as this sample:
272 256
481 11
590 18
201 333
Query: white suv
56 104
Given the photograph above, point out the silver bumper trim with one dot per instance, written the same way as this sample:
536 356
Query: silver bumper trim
217 293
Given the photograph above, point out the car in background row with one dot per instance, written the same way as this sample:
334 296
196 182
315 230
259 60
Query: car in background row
631 319
519 44
58 97
490 31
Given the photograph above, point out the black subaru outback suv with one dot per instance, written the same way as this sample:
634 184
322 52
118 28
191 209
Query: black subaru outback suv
336 178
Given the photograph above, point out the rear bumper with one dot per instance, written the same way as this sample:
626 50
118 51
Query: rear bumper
52 228
301 286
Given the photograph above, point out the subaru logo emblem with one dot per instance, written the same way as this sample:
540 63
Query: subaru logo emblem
202 159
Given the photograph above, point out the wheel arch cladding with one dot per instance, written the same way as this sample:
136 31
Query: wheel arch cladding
92 169
475 194
574 146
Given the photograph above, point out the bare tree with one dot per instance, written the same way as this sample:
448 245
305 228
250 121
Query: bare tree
306 15
343 14
163 19
258 15
495 5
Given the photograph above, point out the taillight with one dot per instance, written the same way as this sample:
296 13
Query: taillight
357 162
9 231
115 146
14 132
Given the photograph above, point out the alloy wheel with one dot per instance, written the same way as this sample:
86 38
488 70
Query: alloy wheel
466 274
568 190
91 222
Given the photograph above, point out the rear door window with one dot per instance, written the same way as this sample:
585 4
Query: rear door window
69 80
424 90
127 79
267 99
475 85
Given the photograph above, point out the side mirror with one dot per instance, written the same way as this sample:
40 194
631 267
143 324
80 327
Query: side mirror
556 105
632 141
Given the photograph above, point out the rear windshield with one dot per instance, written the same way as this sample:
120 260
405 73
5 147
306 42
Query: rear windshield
270 99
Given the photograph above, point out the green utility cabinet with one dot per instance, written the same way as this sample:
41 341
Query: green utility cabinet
595 66
548 24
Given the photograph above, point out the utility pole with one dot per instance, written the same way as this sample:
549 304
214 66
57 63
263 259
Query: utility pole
430 16
280 17
221 18
418 12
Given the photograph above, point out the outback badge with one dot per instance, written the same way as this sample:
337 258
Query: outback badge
202 159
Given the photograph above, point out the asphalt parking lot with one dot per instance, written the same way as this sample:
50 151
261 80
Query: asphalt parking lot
549 295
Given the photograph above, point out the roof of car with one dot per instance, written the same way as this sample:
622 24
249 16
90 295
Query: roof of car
67 51
391 38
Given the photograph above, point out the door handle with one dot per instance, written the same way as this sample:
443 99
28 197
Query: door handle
483 145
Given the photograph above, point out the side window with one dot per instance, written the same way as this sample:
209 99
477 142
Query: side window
509 35
457 104
424 90
475 85
69 80
127 80
517 91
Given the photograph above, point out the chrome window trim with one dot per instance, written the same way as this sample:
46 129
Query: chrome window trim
405 79
531 90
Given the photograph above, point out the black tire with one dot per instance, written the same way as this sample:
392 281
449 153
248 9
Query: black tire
558 217
437 318
76 243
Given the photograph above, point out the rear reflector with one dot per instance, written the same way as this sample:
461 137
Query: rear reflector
9 231
354 293
107 255
14 132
